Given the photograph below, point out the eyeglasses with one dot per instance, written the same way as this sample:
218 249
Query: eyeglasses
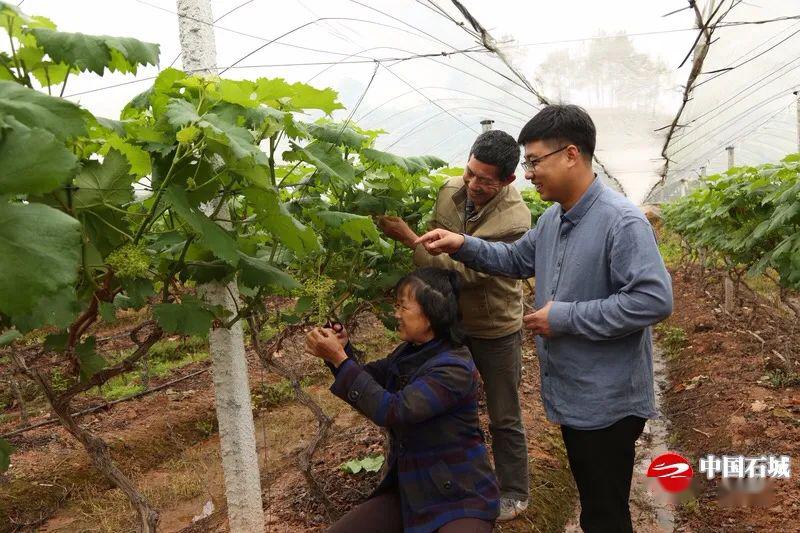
530 166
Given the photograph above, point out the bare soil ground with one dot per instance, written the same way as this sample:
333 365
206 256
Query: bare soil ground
731 393
167 442
728 390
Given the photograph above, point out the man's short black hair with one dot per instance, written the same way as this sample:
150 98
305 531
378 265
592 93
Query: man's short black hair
498 148
562 123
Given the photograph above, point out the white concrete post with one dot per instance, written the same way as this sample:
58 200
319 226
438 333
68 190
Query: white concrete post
226 346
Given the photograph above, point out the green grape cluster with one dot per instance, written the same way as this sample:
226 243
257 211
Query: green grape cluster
320 289
130 261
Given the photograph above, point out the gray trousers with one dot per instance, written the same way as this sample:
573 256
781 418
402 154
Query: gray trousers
499 362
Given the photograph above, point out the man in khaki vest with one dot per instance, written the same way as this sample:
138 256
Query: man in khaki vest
483 203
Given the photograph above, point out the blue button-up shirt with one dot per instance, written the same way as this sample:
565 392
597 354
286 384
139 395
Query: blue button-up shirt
600 265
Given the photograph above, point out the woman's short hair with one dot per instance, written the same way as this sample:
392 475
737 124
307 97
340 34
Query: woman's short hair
436 290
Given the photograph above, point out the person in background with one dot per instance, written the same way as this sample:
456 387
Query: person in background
600 284
425 392
484 203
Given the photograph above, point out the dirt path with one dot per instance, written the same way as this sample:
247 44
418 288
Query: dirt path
553 493
650 510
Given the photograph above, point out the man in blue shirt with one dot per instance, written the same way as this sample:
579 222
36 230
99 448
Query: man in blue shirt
600 285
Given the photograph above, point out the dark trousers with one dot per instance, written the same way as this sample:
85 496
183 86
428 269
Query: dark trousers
381 514
602 465
499 362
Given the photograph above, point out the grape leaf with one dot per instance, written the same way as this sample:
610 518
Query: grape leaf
138 159
451 171
81 51
300 95
103 184
240 92
136 293
56 341
57 309
257 272
303 304
431 162
325 157
106 230
108 124
48 73
208 232
181 112
35 110
257 116
15 21
95 53
238 139
186 318
39 255
32 160
133 51
207 271
357 227
89 361
275 218
412 165
5 73
336 134
367 464
108 312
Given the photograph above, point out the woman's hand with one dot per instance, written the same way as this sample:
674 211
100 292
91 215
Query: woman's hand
340 331
325 344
